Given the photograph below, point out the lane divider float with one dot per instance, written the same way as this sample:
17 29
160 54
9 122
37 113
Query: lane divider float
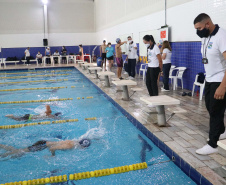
39 88
34 101
89 97
34 76
106 172
52 71
35 81
37 123
83 175
93 118
53 179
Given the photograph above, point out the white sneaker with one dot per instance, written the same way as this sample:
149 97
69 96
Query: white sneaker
151 106
222 136
206 150
164 90
131 78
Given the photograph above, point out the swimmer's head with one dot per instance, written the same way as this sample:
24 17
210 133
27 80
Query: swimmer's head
85 143
118 40
48 110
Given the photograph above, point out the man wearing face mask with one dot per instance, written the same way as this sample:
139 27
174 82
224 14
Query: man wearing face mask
214 59
132 53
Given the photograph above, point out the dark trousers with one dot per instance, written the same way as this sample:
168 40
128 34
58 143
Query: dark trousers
55 60
152 80
39 60
126 67
166 70
48 61
28 60
216 109
132 67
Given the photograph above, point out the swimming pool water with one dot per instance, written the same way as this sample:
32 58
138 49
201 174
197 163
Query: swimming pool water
115 140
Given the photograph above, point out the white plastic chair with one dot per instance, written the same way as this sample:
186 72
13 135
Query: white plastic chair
143 68
172 68
179 76
201 85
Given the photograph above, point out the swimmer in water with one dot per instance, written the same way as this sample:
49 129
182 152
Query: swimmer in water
53 146
27 117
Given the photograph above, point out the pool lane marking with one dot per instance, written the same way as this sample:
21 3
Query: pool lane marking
34 72
145 148
43 123
35 101
35 81
84 175
33 76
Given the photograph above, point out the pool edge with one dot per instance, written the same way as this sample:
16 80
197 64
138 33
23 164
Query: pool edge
183 165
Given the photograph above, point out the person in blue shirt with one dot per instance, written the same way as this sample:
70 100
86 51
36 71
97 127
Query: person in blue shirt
110 55
48 53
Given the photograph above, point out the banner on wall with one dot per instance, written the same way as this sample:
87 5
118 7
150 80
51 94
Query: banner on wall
159 35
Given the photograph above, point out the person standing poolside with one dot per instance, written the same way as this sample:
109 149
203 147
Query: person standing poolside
64 53
48 53
103 54
214 59
27 55
56 53
39 57
110 55
81 52
132 53
154 65
119 60
166 58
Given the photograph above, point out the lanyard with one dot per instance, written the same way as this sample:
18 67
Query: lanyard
204 52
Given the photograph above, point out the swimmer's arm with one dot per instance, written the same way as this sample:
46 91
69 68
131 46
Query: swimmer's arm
53 149
15 118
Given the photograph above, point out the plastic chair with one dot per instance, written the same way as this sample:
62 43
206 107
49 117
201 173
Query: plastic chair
143 68
179 76
171 72
201 85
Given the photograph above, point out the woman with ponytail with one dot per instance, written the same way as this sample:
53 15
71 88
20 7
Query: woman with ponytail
154 65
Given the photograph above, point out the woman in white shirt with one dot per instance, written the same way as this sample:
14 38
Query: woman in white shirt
166 58
39 57
56 53
154 65
27 55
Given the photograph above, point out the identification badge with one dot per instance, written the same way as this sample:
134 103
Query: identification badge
205 61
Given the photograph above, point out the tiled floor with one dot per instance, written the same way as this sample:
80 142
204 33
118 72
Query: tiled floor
186 132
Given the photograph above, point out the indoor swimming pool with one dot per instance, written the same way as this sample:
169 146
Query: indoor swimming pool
115 141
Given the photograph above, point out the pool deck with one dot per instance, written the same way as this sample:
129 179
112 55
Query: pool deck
185 132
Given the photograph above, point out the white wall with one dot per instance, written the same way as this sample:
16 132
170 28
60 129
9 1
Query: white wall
180 18
110 13
22 23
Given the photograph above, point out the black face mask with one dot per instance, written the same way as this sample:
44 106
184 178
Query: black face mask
203 33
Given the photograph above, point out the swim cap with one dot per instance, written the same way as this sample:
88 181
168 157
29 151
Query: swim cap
85 142
58 113
117 40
